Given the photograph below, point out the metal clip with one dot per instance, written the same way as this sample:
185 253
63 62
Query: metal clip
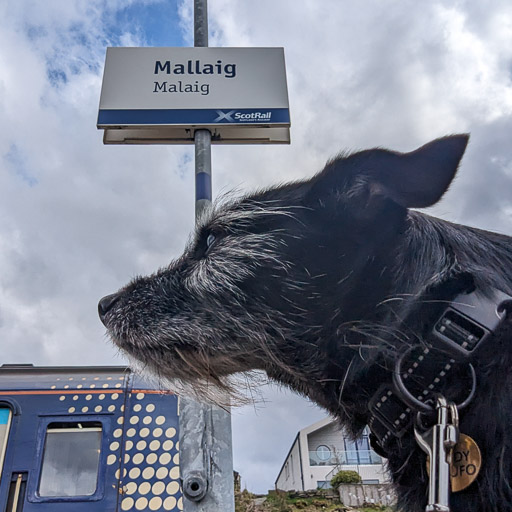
438 442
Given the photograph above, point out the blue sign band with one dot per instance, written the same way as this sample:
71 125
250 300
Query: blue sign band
247 116
203 186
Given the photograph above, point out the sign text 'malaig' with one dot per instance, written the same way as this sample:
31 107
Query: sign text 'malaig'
195 67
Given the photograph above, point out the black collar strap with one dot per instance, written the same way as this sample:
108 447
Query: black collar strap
463 327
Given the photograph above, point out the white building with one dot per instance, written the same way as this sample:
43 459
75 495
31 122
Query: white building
320 451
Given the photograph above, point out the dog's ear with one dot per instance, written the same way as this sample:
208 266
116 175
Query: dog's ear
420 178
414 180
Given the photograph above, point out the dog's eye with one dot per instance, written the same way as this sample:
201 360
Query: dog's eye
210 241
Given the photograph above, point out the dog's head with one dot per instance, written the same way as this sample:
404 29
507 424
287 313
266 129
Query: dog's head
270 280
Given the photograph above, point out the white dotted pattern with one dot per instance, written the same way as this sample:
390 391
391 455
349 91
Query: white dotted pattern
153 478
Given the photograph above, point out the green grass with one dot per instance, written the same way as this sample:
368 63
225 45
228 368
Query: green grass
282 502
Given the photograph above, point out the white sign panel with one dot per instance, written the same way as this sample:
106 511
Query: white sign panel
164 94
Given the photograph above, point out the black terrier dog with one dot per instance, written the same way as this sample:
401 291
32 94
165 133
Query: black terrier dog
323 284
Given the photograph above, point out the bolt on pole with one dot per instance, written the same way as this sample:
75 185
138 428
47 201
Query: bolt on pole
206 459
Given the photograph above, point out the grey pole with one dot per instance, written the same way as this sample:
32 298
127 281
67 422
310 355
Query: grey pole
206 458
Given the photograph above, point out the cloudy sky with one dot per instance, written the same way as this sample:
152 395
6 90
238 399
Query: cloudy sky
78 219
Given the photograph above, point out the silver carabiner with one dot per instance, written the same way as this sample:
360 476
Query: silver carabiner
438 443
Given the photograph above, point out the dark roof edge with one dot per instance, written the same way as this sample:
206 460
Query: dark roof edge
286 458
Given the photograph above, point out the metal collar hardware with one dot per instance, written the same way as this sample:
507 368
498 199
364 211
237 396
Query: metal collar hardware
421 371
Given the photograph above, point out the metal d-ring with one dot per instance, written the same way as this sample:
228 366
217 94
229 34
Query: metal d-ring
409 399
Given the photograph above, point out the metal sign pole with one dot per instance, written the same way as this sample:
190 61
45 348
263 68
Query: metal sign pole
206 459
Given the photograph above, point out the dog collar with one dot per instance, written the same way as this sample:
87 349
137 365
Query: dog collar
422 370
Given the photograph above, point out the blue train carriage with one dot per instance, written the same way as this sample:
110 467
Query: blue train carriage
77 439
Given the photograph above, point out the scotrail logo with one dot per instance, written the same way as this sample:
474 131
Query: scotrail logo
242 117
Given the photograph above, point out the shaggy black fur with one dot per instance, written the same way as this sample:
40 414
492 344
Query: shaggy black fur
321 283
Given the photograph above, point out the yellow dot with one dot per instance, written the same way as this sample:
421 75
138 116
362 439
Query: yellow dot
141 445
150 407
109 378
53 387
180 503
147 420
174 473
71 409
144 488
161 473
165 458
157 432
127 504
80 386
118 385
178 446
140 396
130 488
111 408
84 378
105 386
88 397
102 396
66 387
176 459
118 432
154 445
151 458
134 420
85 409
141 503
114 446
126 458
70 378
62 398
98 408
131 432
128 445
134 473
75 397
169 503
144 432
115 396
111 460
170 432
96 378
148 473
120 420
117 474
137 407
155 503
167 446
173 488
138 458
121 408
160 420
158 488
92 386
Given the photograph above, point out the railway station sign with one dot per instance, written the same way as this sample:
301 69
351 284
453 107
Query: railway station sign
163 95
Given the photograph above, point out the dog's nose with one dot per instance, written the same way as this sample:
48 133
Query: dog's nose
106 303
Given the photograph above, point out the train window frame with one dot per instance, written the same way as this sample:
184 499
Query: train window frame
4 445
33 494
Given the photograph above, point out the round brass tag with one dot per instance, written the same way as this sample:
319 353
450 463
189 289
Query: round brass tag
466 463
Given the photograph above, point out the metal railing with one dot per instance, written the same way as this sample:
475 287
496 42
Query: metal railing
344 458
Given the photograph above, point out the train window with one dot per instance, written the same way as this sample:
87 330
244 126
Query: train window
70 459
5 423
